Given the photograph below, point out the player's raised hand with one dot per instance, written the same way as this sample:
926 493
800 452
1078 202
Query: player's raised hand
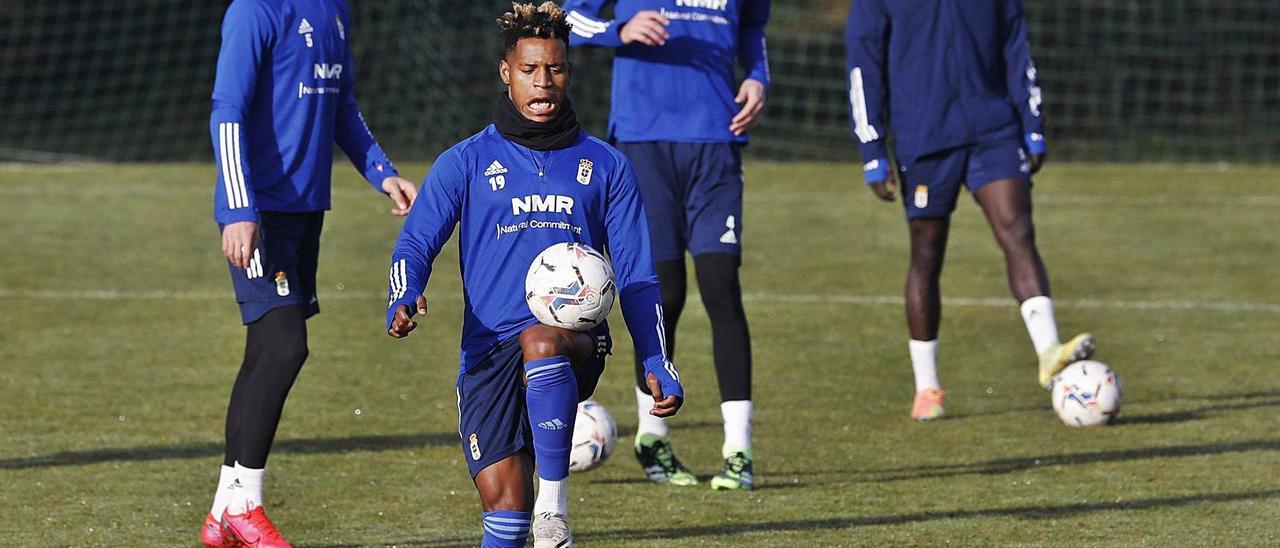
239 241
648 27
662 406
402 192
403 323
751 95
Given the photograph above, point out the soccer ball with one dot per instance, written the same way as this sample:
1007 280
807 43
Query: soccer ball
594 435
1086 393
570 285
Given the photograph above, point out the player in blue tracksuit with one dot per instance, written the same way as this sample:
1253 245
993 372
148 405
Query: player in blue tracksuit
282 97
530 180
955 85
673 113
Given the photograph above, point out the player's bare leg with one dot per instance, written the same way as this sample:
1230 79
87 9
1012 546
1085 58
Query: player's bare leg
924 311
1007 204
551 355
506 495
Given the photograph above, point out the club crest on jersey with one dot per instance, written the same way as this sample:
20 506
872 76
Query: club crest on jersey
282 284
475 447
922 196
305 30
584 171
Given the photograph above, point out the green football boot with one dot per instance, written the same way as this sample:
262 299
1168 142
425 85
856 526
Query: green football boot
737 473
660 463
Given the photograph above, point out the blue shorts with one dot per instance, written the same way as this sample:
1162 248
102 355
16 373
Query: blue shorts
283 269
931 184
492 420
692 196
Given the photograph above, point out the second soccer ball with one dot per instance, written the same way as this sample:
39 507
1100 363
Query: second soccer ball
570 285
594 436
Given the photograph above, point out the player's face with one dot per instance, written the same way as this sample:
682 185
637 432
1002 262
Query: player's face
536 72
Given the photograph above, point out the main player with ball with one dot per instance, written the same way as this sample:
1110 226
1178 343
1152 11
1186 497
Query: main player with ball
535 197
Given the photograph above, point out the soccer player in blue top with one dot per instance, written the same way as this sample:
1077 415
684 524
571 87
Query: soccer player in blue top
282 97
955 83
674 115
531 179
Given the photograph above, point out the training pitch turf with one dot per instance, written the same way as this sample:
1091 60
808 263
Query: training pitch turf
119 341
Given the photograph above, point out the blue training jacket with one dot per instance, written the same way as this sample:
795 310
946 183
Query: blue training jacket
942 74
282 97
682 91
511 203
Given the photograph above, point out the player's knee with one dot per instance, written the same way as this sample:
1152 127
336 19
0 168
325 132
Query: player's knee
1016 234
294 354
718 282
926 259
540 341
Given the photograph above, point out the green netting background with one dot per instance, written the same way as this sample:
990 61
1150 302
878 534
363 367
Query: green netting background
1124 80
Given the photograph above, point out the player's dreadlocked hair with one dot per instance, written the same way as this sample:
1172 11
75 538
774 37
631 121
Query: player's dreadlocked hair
529 21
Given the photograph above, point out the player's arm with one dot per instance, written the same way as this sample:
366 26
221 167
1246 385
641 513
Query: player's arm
641 300
425 232
647 27
866 39
355 139
1021 78
246 36
753 56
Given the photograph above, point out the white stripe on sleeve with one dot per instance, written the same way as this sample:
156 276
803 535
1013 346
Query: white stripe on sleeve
236 165
858 100
225 159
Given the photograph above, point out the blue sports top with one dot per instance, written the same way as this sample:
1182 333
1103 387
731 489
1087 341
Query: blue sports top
682 91
511 203
282 96
942 74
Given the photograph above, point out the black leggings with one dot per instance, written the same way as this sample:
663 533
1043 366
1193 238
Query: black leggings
722 296
274 351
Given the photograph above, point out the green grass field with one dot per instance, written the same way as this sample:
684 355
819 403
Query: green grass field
119 341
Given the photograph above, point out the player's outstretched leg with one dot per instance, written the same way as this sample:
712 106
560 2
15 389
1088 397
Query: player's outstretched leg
653 437
552 403
731 348
1007 204
924 312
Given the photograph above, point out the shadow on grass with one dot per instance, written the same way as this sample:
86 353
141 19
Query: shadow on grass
307 446
1015 464
1185 415
1025 512
826 524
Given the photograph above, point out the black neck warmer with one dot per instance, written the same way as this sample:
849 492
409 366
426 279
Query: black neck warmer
560 132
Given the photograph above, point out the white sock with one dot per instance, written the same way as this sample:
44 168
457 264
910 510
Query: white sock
649 424
1037 313
246 493
924 363
737 426
223 495
553 497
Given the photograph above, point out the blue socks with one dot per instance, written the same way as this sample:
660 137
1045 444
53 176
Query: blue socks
505 529
552 402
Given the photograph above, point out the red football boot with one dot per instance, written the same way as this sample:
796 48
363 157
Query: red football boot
211 534
252 530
